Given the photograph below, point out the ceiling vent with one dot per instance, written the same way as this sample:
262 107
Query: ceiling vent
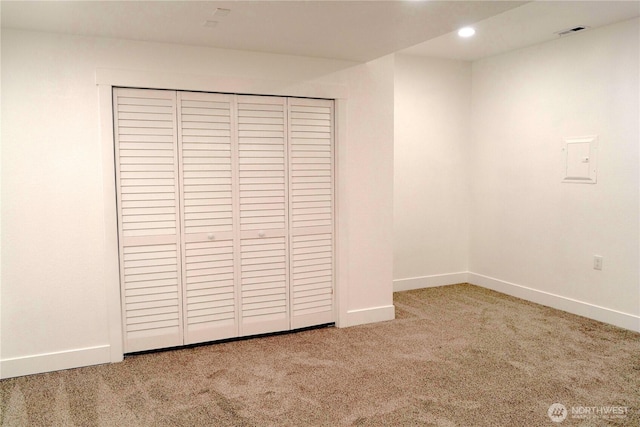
571 30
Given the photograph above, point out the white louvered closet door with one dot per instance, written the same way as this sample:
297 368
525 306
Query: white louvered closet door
148 200
262 166
206 131
311 197
226 215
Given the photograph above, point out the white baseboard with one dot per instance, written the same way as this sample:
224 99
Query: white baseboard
371 315
76 358
429 281
602 314
48 362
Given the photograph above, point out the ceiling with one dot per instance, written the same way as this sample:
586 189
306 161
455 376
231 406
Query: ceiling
349 30
529 24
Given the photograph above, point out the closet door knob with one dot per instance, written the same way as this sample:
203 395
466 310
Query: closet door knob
261 233
210 236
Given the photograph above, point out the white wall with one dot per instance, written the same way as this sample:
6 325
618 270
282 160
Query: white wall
55 283
431 199
478 168
369 156
529 230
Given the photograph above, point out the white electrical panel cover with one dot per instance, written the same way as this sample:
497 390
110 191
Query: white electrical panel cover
580 160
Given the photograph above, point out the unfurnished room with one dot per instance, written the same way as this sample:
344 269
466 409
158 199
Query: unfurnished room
320 213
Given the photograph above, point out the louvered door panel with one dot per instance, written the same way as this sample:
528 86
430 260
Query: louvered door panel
262 168
311 207
263 197
148 207
264 285
151 296
206 129
210 291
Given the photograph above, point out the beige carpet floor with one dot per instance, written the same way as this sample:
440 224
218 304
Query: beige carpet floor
455 356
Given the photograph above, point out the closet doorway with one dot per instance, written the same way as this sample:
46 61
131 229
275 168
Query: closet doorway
225 215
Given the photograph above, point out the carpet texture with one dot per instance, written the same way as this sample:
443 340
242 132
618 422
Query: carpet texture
455 356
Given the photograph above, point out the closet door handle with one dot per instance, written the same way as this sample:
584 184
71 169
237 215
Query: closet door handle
261 233
211 236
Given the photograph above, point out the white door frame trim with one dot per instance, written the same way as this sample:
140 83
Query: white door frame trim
106 79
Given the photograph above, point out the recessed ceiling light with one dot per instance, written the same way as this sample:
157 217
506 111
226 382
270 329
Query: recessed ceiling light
466 32
219 12
210 24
